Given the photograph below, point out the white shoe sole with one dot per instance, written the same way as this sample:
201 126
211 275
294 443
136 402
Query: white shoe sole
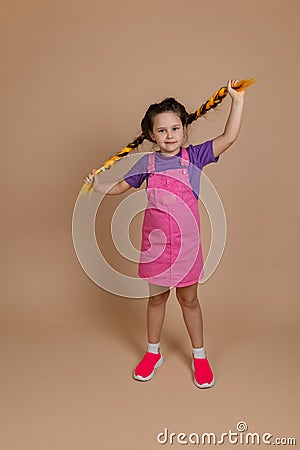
204 385
140 378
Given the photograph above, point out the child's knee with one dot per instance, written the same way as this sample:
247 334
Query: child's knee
187 296
158 299
187 300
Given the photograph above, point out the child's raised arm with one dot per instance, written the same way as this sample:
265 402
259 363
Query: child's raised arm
111 188
233 124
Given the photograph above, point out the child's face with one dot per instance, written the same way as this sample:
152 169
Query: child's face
168 132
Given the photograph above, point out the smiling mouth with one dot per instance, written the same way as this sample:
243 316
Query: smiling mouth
170 142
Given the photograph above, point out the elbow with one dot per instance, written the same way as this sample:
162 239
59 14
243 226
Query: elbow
230 138
121 187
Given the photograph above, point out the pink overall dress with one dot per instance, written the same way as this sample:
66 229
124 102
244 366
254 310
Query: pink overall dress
171 251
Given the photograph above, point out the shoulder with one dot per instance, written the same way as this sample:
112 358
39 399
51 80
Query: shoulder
199 147
138 172
202 154
142 161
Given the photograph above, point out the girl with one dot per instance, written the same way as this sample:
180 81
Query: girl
171 252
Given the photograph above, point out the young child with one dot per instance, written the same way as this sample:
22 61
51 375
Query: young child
171 252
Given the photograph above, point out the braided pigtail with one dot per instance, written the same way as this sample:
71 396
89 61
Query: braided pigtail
168 104
217 98
111 161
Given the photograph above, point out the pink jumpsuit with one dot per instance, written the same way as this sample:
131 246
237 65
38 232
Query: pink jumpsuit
171 251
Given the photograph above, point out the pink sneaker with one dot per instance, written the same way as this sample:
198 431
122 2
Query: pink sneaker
144 371
203 376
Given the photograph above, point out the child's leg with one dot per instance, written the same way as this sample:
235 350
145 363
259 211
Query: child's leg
191 311
156 311
187 297
152 359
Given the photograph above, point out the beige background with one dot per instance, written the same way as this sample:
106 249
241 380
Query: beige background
76 79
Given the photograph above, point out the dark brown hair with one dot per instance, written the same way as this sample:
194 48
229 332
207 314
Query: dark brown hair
169 104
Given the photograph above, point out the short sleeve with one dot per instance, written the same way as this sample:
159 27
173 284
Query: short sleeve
138 173
202 154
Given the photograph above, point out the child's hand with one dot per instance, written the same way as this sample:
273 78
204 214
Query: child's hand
91 178
232 92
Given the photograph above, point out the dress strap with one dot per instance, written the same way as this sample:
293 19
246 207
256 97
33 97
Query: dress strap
184 160
151 162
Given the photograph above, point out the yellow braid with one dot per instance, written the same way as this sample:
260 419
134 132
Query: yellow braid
107 165
221 93
213 101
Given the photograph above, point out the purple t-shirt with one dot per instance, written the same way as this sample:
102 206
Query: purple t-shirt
200 155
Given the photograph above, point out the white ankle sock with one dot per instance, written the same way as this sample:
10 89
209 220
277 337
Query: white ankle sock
199 352
153 348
